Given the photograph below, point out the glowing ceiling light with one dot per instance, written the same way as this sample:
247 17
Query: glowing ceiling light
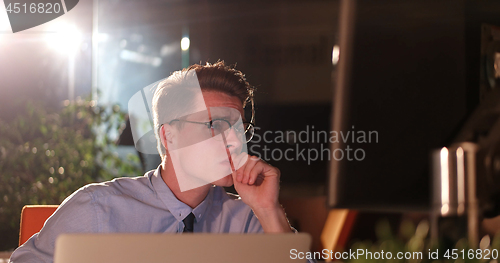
185 43
64 38
335 54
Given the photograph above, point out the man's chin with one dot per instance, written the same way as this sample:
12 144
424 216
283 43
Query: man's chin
225 181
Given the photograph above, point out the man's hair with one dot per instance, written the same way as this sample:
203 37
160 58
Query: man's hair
173 95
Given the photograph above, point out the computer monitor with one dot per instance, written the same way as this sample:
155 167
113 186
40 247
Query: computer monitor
407 79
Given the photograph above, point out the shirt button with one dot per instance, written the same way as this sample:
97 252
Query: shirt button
180 214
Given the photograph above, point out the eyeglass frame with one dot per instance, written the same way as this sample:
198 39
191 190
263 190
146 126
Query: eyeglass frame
209 125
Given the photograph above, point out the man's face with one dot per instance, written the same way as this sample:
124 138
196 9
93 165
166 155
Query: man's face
197 157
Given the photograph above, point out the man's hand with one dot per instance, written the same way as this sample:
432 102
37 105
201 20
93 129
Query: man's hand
257 183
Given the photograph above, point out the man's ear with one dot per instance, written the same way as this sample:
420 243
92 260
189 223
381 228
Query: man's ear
166 135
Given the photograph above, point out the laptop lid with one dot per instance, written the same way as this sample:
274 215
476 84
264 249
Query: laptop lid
156 248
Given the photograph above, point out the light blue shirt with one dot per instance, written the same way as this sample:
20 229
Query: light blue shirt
136 205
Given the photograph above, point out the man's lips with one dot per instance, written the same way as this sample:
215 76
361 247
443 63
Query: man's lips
227 161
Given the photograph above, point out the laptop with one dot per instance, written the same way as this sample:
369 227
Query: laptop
156 248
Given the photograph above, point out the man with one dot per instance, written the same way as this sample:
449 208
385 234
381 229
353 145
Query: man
201 136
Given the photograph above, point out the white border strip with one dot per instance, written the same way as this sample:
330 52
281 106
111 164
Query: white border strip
64 6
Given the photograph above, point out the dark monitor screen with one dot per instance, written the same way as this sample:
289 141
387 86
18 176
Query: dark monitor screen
401 89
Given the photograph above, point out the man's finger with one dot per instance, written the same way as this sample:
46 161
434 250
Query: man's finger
251 162
239 162
255 172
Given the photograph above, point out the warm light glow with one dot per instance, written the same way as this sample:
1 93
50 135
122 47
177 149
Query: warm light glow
4 24
4 21
461 180
335 54
185 43
445 209
102 37
64 38
445 183
485 242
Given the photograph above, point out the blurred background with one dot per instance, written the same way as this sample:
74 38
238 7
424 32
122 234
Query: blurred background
95 57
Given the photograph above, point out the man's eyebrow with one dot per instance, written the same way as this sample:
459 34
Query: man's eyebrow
223 116
226 115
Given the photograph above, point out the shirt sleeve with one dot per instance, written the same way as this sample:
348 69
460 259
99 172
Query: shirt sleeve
253 225
76 214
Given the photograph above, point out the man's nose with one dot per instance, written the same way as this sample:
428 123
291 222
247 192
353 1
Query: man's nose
234 140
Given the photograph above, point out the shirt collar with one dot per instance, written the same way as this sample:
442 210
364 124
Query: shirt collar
178 209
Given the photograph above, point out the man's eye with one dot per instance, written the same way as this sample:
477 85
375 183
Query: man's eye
219 125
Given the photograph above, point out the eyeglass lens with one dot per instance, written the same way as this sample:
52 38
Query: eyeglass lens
220 126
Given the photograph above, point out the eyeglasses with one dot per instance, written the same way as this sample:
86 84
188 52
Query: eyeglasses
218 126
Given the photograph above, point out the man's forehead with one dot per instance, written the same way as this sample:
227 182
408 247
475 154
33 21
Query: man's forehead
219 99
208 105
226 113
